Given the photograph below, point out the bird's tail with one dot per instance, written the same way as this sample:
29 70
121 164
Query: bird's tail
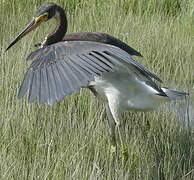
172 94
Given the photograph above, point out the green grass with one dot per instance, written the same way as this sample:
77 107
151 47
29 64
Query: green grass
69 140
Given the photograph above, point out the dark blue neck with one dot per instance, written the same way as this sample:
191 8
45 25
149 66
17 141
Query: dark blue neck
61 28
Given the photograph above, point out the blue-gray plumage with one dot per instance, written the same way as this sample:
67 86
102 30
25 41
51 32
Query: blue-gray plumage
64 63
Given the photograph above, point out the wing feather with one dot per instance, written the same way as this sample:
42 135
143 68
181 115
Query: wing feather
52 88
62 68
26 83
75 59
101 65
136 64
58 81
89 65
83 73
44 87
34 89
65 82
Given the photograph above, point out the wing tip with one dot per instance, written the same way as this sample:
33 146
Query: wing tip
173 94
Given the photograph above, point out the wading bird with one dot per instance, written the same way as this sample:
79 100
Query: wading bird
64 63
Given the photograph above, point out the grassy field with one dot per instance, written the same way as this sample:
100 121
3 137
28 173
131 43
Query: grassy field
69 140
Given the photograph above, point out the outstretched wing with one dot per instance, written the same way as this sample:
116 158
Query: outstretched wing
62 68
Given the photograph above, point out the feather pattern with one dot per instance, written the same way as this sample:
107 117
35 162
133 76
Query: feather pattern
62 68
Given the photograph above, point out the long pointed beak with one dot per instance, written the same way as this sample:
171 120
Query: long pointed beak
33 24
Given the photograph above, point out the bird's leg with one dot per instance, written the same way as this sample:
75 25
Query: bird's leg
118 137
117 130
123 148
114 116
112 128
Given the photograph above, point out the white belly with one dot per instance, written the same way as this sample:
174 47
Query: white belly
126 90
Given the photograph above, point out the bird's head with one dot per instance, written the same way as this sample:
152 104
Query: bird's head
45 12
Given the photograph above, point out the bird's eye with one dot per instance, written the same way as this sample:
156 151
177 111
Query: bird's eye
45 16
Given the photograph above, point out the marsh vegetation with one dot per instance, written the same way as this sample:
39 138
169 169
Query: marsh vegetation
69 140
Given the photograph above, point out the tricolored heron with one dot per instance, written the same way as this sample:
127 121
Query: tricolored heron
64 63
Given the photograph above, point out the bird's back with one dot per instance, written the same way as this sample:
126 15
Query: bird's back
101 38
